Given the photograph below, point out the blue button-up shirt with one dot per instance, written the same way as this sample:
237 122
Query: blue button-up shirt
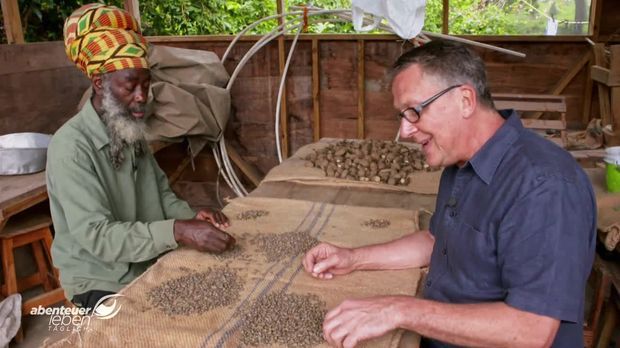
516 224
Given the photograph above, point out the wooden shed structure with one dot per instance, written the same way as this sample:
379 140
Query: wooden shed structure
336 88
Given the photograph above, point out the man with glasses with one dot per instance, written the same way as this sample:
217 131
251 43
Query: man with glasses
511 242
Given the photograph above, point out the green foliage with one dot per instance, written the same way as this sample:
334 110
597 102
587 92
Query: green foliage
433 16
43 19
203 17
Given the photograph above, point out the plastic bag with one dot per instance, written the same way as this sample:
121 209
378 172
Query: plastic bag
406 17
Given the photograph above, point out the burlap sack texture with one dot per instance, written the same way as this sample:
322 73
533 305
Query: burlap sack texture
139 323
294 169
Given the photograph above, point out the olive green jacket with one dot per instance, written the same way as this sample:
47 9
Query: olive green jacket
110 225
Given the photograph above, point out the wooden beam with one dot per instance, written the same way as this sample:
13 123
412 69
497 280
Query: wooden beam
12 21
587 96
603 90
283 111
595 18
445 22
133 7
543 124
568 77
614 65
361 90
494 39
614 75
600 74
247 169
316 88
604 76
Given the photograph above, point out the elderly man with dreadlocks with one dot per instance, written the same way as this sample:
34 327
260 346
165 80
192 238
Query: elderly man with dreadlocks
111 204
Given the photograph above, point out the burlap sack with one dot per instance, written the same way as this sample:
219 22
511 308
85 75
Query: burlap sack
294 169
139 323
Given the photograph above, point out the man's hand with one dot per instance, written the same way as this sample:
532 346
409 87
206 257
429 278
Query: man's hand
354 321
326 260
217 218
202 236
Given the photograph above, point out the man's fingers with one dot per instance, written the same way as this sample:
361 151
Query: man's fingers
328 321
351 340
334 332
326 264
310 259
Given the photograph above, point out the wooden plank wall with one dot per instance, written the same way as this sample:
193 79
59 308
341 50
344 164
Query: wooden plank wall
41 87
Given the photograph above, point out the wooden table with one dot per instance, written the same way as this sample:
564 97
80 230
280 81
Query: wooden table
20 192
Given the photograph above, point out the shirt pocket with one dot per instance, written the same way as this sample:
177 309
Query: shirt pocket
472 257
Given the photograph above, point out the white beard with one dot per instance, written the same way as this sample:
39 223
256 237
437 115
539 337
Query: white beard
123 129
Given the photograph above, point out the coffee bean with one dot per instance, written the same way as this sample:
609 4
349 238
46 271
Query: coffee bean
364 159
251 214
291 320
376 223
197 293
278 247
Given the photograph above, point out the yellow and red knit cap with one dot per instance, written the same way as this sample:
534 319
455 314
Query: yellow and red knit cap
100 39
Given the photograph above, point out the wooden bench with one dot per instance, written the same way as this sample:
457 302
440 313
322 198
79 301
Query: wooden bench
537 103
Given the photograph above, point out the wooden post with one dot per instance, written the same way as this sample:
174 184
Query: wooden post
12 21
445 11
316 88
587 94
133 7
282 62
595 19
603 90
614 75
361 87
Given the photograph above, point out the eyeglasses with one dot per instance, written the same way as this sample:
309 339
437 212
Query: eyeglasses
412 114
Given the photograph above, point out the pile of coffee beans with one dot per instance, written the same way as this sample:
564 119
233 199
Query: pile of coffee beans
251 214
369 160
197 292
290 320
281 246
235 252
376 223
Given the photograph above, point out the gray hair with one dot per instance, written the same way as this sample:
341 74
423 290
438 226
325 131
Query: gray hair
452 63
